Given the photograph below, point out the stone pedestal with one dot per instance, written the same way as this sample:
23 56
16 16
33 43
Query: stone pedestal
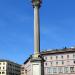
37 66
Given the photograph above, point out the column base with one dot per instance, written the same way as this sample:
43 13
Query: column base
37 66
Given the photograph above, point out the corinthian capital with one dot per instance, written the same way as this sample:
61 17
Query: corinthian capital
36 3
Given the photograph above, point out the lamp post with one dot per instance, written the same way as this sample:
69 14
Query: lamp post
36 60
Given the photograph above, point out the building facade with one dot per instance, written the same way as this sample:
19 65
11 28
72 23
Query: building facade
26 67
57 62
9 68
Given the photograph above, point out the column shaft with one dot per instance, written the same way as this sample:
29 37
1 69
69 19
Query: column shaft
36 30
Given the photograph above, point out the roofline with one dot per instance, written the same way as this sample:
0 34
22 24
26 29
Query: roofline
55 51
4 60
58 51
28 59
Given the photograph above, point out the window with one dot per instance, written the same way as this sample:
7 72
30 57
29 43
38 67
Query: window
3 63
0 63
51 57
3 67
74 61
56 57
0 72
66 69
10 64
60 69
68 61
54 70
46 64
49 70
62 62
51 63
22 73
67 56
71 69
26 71
74 55
0 68
3 72
22 68
45 58
62 57
57 63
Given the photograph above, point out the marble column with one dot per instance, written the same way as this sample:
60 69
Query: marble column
36 31
37 60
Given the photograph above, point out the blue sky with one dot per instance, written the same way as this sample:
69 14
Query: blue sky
57 26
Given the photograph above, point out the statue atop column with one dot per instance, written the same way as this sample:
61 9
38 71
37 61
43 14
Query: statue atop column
36 2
